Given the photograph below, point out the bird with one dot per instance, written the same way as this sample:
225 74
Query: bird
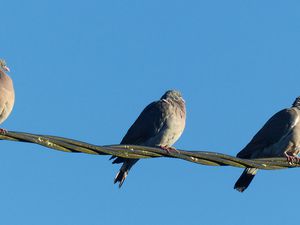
7 94
279 137
160 124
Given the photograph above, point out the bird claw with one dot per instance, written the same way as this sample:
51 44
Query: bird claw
292 159
3 131
169 149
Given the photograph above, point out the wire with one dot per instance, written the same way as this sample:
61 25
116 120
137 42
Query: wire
137 152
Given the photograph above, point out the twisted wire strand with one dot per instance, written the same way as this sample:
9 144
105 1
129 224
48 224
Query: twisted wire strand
137 152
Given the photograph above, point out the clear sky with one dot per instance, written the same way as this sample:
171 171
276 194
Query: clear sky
86 69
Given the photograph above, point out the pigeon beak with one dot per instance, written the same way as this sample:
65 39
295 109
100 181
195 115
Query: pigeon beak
6 68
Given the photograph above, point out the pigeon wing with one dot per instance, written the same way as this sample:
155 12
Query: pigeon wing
275 128
148 124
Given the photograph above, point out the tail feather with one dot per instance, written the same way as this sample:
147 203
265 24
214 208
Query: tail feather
124 170
120 177
117 160
245 179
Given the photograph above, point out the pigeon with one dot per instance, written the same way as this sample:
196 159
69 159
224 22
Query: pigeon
160 124
279 137
7 94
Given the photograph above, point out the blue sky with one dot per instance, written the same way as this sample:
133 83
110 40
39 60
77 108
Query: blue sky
85 70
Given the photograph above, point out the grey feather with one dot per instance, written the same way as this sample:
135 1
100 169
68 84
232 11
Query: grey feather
245 179
161 123
279 137
275 128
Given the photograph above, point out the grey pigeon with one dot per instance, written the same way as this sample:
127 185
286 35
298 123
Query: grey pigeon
280 136
7 93
160 124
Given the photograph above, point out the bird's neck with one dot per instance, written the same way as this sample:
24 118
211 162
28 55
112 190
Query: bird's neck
173 102
2 73
4 77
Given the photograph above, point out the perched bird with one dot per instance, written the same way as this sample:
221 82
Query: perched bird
161 123
7 93
280 136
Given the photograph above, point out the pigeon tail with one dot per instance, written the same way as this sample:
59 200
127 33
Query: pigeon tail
120 177
296 103
245 179
123 172
117 160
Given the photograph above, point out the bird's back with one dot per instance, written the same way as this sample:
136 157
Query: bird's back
154 123
275 129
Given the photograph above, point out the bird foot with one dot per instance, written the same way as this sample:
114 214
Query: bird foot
292 159
169 149
3 131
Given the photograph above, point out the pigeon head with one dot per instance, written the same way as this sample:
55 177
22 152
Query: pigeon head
173 95
297 102
3 65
